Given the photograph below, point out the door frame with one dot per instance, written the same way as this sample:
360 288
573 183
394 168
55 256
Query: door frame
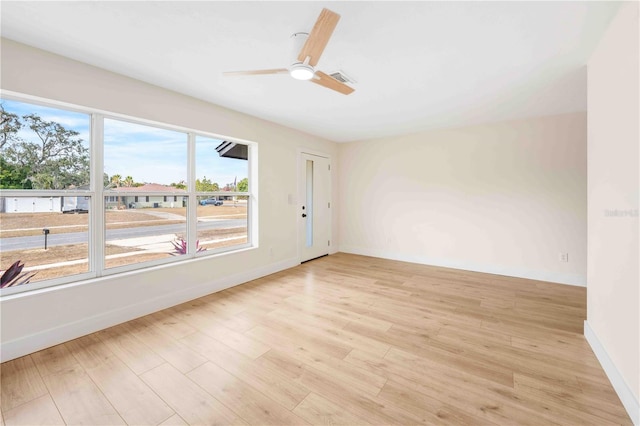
298 203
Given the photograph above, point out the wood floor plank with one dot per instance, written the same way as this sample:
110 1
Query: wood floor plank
421 357
429 408
222 306
579 301
550 367
138 356
340 392
169 349
243 321
291 339
468 393
174 420
544 391
321 331
339 316
20 382
168 324
495 404
54 360
253 406
399 336
39 411
472 335
524 329
270 381
307 314
349 375
559 347
79 399
373 409
242 343
500 404
129 395
320 411
188 400
238 341
598 390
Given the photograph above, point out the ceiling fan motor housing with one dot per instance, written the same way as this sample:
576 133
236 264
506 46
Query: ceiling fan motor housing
297 42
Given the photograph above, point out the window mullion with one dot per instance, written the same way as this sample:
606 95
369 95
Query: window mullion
252 201
192 231
97 217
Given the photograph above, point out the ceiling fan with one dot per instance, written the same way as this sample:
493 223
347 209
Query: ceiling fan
304 66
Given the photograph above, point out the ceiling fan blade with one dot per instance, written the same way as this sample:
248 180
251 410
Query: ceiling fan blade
257 72
319 37
331 83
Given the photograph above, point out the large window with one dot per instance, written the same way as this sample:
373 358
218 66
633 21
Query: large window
81 201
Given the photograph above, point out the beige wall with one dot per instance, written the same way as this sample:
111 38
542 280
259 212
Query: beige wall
47 317
613 275
505 198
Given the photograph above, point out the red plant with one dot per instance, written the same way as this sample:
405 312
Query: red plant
180 246
12 277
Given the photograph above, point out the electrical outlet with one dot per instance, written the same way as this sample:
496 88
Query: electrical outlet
564 257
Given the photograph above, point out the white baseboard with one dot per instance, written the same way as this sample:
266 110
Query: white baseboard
624 392
554 277
69 331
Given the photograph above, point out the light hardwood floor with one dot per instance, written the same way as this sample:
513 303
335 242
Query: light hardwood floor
340 340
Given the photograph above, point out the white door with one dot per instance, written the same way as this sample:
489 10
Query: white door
314 215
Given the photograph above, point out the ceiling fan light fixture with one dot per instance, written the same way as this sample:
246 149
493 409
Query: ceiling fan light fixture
301 71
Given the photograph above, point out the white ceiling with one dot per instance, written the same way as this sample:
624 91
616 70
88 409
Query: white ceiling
418 65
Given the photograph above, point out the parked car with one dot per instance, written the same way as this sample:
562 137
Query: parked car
211 201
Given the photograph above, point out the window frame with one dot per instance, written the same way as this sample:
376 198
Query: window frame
97 194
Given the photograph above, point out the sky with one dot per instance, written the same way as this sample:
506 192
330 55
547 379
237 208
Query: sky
148 154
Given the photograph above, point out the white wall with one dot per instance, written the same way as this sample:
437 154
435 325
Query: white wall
39 319
504 198
613 274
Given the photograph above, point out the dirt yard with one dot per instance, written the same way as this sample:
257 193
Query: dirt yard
225 211
29 224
